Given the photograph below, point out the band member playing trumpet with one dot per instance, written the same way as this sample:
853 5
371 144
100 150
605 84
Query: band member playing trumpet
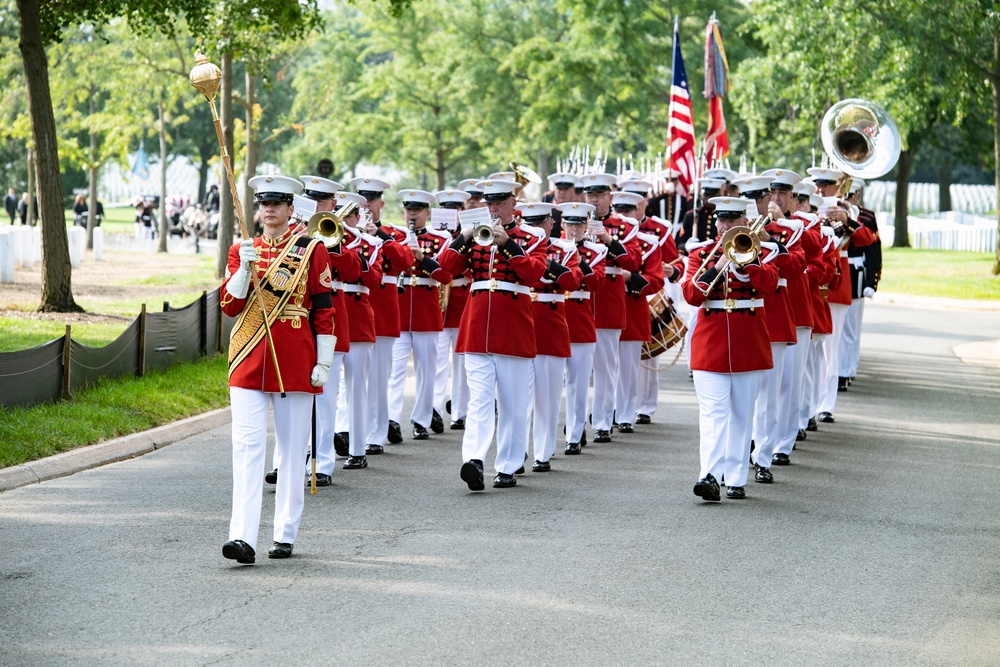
294 283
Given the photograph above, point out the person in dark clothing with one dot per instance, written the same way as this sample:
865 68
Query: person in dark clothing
10 204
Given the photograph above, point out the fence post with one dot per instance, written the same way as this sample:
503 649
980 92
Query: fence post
218 331
166 306
66 361
203 323
141 363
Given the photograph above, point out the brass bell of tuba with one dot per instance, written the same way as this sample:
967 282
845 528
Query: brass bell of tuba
861 138
328 226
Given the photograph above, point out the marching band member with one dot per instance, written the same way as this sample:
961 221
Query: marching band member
730 350
580 321
563 191
704 228
609 299
295 283
866 265
470 186
420 318
497 334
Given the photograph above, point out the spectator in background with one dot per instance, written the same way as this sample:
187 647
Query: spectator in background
212 200
22 210
10 204
80 210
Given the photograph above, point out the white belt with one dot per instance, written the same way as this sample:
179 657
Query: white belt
782 282
390 280
613 270
357 289
459 282
493 285
579 295
856 262
843 253
730 304
415 281
557 298
337 285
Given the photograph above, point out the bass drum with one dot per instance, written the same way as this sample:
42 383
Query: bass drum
668 328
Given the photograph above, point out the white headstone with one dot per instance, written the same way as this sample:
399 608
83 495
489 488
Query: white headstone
6 255
36 244
24 247
76 248
98 244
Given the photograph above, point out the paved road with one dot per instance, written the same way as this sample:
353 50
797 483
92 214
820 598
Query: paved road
879 545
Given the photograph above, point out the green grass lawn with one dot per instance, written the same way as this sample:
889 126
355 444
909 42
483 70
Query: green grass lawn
116 220
22 334
939 273
112 408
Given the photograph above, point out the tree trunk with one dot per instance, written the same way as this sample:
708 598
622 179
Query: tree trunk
164 228
944 184
203 176
440 170
995 81
92 184
57 290
543 167
29 219
225 236
901 237
251 161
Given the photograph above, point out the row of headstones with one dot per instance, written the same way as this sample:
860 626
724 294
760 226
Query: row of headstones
21 248
923 197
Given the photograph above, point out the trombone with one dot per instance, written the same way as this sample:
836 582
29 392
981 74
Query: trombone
739 246
328 226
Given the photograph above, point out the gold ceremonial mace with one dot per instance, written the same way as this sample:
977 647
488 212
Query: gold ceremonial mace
206 78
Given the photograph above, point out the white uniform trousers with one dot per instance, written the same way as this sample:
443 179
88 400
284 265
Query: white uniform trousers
765 413
352 405
725 403
810 390
378 390
448 360
627 387
648 386
828 385
292 417
605 378
578 369
424 347
790 394
443 365
326 420
495 377
548 372
692 321
850 343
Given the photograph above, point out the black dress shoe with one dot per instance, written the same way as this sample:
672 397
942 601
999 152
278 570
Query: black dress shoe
780 460
472 474
437 424
340 444
572 448
395 433
763 475
643 419
801 435
602 436
373 450
736 493
625 427
419 432
271 477
707 489
541 466
280 550
355 462
457 425
583 438
239 551
826 417
321 480
841 384
520 471
811 426
447 406
504 481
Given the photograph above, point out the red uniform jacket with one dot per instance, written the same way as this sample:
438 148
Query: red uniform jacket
860 238
294 340
623 255
394 257
419 295
346 266
498 321
780 321
548 309
580 304
820 277
736 340
668 247
793 271
458 296
641 285
359 307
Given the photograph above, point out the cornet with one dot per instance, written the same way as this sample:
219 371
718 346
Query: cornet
328 226
483 234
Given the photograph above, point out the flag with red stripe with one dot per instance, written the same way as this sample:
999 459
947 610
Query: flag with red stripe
680 131
716 87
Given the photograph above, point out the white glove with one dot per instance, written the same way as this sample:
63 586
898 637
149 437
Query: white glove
325 345
247 253
239 282
869 292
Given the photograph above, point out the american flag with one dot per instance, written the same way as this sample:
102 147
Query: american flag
680 131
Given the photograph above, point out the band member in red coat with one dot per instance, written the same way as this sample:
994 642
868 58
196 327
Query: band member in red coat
294 281
730 350
497 334
420 318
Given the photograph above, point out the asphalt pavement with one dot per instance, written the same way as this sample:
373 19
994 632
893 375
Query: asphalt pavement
880 544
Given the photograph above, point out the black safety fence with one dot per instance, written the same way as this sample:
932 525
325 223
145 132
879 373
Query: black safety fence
56 369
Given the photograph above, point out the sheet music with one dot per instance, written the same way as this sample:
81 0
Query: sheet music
444 218
474 217
304 207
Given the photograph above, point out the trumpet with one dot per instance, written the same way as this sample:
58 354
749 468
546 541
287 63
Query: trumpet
483 234
328 226
739 246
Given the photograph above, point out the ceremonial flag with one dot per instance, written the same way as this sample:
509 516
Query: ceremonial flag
140 165
680 131
716 87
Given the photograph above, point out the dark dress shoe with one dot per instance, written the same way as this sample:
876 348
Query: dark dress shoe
373 450
340 444
583 438
625 427
395 433
504 481
572 448
520 471
707 489
763 475
271 477
280 550
447 406
643 419
239 551
602 436
472 474
541 466
801 435
736 493
355 462
826 417
321 480
811 426
841 384
419 432
437 424
780 460
457 425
